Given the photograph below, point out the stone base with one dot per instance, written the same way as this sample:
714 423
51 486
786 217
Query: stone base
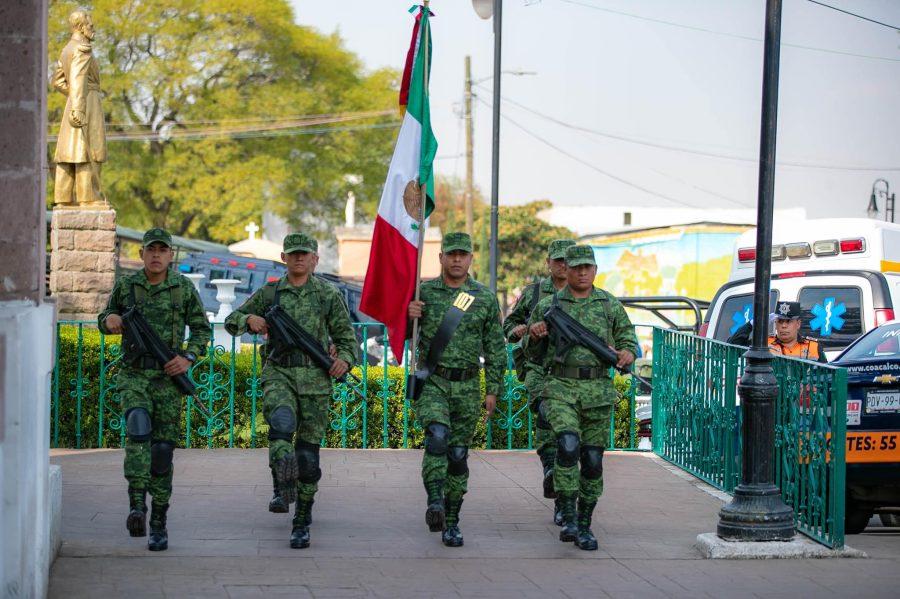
82 261
711 546
54 501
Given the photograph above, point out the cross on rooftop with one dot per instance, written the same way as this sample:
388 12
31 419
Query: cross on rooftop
252 229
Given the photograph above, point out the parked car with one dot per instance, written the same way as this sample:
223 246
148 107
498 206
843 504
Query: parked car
873 427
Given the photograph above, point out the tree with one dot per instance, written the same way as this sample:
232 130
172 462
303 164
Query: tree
523 241
215 92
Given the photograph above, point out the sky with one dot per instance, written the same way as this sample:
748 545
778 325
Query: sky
681 74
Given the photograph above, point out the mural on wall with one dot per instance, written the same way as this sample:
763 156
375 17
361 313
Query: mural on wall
689 260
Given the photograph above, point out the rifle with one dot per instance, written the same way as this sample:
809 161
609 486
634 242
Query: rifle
285 329
142 339
570 332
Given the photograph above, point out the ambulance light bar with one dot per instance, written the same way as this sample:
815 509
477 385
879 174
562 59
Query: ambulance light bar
823 247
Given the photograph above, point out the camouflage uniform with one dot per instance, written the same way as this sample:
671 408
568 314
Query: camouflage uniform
150 400
579 409
297 393
449 410
544 441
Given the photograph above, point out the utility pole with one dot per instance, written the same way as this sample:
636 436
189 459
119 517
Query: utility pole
470 183
495 145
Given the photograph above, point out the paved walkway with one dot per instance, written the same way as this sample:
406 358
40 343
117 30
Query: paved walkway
369 538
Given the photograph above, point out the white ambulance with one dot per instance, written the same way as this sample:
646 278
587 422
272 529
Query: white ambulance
845 272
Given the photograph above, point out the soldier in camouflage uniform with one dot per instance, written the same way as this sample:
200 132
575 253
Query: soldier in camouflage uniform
297 393
151 402
514 326
578 390
450 404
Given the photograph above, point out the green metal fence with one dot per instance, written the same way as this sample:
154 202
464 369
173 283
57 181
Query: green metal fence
226 410
696 425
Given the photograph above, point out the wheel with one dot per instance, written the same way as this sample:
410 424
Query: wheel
856 518
889 519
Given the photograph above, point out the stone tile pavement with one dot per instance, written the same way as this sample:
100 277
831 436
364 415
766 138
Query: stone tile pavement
369 538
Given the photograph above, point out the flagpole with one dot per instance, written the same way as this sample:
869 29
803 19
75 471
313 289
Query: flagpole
423 200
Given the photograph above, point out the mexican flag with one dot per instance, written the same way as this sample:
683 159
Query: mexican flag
391 275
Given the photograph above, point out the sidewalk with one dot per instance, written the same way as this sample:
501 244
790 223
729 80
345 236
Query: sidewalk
369 538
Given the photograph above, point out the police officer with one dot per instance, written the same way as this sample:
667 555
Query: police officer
450 402
578 390
787 340
297 393
151 402
514 326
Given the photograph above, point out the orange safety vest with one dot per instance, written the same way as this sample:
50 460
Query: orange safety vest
806 349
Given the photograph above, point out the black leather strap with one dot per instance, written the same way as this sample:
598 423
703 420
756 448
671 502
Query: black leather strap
448 326
457 374
578 372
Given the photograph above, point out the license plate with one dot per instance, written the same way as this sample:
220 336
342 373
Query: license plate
879 401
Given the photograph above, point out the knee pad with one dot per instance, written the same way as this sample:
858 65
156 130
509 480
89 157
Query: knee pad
282 423
161 453
137 424
592 461
437 437
542 421
308 462
567 447
458 460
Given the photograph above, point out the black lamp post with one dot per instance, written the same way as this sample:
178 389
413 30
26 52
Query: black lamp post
757 512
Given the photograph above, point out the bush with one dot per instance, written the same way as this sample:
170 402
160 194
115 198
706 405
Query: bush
79 382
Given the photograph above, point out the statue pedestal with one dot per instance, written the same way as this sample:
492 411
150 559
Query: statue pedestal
82 261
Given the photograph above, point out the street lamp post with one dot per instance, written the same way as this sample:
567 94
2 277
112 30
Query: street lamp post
757 512
495 143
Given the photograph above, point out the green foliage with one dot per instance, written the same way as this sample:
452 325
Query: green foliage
191 65
523 240
79 413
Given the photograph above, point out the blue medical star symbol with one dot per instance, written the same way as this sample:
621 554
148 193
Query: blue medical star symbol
741 317
828 317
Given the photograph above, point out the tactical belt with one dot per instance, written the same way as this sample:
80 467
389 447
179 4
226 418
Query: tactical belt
457 374
145 363
292 360
578 372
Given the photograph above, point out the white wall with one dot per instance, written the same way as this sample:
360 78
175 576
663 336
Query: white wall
28 507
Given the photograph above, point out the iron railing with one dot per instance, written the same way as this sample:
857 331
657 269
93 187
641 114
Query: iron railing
226 410
697 425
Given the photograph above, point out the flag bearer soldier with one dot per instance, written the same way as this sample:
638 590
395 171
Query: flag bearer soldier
514 326
450 402
297 393
578 391
151 402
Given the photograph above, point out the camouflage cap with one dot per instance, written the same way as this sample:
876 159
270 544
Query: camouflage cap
557 249
576 255
300 242
457 242
157 236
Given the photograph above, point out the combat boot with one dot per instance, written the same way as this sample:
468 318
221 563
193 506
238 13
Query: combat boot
159 536
586 539
300 532
557 513
451 535
285 472
136 523
277 505
569 531
548 460
434 515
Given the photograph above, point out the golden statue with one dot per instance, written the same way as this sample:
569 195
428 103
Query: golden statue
81 147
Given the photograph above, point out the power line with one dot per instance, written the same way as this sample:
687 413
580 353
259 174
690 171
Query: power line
677 148
722 33
254 134
588 164
853 14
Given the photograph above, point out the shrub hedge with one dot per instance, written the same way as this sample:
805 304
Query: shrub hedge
79 375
